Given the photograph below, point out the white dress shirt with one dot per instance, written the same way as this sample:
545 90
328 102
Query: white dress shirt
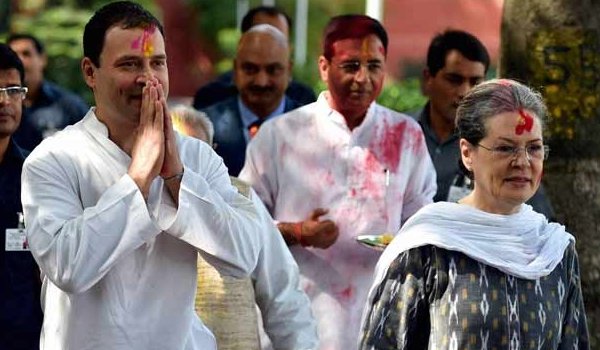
371 179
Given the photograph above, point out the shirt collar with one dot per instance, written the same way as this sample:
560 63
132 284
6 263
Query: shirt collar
325 108
14 152
248 117
425 121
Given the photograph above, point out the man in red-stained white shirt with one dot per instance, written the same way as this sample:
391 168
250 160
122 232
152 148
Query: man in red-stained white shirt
340 167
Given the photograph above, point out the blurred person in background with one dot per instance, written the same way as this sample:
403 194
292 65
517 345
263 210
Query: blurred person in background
48 107
261 72
224 87
20 284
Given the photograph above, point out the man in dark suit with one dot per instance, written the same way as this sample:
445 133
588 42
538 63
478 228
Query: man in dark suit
261 75
20 309
48 107
223 86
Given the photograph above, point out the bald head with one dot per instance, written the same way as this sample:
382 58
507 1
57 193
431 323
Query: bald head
261 34
262 68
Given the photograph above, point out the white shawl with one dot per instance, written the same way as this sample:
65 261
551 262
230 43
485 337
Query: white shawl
524 244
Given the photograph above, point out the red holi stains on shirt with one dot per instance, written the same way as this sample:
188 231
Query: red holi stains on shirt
347 293
387 146
372 170
328 180
525 122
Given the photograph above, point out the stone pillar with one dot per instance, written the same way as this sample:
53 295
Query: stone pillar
554 46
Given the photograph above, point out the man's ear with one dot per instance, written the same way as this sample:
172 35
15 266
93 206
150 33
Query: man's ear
44 60
88 70
425 81
290 71
323 67
466 154
235 72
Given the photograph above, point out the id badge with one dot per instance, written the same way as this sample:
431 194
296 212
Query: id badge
16 240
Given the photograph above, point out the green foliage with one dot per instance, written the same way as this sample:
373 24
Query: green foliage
404 96
60 29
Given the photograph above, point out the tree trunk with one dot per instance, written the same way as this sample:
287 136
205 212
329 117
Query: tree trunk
553 46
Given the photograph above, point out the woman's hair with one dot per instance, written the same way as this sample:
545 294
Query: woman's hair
491 98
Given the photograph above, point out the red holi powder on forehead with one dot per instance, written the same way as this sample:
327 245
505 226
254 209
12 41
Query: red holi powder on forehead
365 47
525 122
504 82
143 41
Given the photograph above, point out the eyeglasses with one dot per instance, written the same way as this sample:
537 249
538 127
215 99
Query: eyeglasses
352 67
535 151
14 92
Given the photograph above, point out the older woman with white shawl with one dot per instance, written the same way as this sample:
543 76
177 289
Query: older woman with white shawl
486 272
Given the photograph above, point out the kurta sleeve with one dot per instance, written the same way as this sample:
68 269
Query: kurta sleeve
574 328
398 318
259 170
421 186
76 246
285 308
213 217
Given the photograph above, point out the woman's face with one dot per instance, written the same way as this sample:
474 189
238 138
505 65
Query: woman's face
507 163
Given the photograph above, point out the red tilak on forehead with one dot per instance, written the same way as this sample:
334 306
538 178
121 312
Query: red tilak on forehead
504 82
143 41
525 122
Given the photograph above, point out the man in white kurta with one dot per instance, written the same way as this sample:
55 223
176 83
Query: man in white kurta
120 273
118 206
371 175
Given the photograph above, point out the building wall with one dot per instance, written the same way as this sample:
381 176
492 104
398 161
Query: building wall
188 57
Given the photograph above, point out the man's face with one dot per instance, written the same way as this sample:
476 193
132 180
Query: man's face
262 72
128 59
10 106
451 83
354 75
33 61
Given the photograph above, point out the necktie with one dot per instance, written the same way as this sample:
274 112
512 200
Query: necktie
253 128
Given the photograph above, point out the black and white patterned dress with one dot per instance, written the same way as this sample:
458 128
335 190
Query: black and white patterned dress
433 298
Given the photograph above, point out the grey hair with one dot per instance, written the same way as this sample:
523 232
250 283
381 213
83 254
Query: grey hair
193 118
491 98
